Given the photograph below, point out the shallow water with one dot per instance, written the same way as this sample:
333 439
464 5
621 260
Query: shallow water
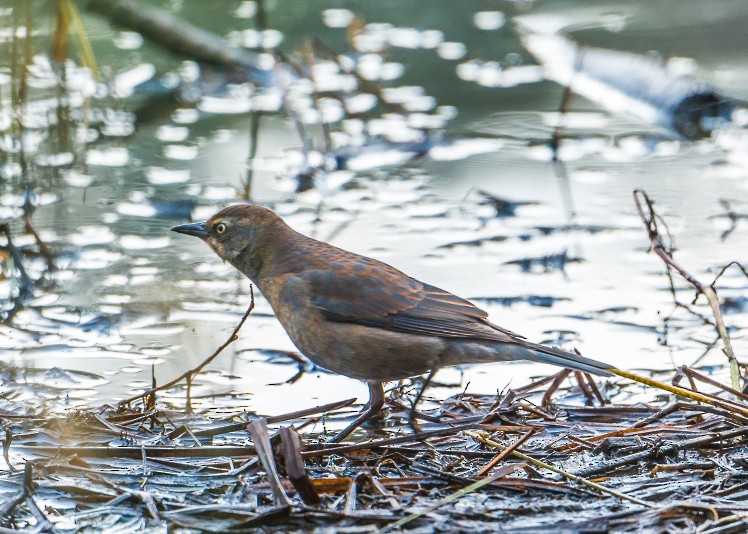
128 297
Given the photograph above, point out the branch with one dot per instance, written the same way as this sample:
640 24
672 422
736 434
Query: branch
649 218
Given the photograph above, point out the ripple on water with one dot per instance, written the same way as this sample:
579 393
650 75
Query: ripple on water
95 258
236 104
108 157
92 235
337 18
451 50
181 152
56 378
185 116
60 159
125 40
75 178
169 133
160 175
137 242
489 20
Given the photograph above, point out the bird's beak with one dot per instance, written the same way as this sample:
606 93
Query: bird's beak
199 229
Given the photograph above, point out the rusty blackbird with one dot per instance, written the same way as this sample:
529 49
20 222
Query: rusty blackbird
358 316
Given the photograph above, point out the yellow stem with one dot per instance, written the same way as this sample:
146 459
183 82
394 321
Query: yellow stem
683 392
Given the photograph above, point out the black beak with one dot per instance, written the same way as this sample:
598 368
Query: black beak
199 229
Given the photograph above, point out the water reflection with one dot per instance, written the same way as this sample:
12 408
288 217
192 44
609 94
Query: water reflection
393 126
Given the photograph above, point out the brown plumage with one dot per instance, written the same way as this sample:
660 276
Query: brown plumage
358 316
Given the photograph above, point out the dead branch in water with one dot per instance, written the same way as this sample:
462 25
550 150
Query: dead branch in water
651 221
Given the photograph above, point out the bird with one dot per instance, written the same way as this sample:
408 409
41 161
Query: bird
358 316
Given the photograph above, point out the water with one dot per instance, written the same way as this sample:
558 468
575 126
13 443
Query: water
128 298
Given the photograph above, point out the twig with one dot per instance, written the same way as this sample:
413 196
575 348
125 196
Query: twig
258 431
575 478
733 216
88 56
475 486
650 222
189 375
7 507
295 467
670 448
683 392
586 391
209 432
559 378
425 384
703 378
322 450
254 130
6 448
503 454
136 452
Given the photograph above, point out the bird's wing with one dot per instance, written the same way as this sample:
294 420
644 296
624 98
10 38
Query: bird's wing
374 294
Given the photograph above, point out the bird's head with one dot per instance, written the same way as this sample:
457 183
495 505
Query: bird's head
238 234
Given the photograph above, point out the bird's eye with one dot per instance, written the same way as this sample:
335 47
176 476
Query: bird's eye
220 228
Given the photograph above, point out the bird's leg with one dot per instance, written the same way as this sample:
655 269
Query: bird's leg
420 392
376 401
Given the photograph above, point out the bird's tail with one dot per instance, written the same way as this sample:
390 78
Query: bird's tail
562 358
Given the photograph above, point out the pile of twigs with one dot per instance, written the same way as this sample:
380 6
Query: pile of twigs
528 458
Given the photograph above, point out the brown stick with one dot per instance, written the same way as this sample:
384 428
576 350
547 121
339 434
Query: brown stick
559 378
258 431
707 398
295 467
703 378
650 222
506 452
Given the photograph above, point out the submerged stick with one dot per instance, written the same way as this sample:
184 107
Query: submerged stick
189 375
664 450
172 33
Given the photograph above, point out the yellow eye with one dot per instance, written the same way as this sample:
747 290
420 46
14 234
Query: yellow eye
220 228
